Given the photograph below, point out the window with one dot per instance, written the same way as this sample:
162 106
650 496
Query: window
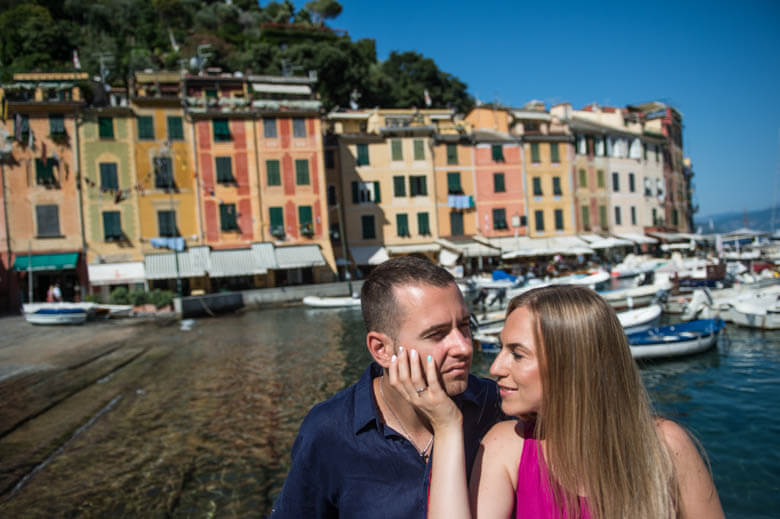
225 170
299 127
600 178
106 127
57 125
618 219
419 149
499 219
330 159
497 152
655 216
583 179
603 217
365 192
166 223
221 130
112 226
44 172
22 127
582 145
108 176
537 182
302 172
417 185
211 93
396 149
452 153
557 186
163 172
644 150
332 200
272 173
456 223
559 219
402 224
175 129
305 220
656 152
631 183
367 226
145 127
362 154
585 218
48 220
539 218
554 157
615 181
633 215
276 218
399 186
600 146
423 226
675 219
269 127
453 183
499 186
535 153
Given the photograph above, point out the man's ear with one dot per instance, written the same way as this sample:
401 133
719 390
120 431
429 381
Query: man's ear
380 347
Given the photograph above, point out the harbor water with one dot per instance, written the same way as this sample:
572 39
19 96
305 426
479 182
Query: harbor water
152 420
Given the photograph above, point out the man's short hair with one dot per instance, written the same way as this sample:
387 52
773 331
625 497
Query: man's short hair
377 301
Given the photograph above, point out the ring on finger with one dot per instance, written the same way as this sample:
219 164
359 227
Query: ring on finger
421 390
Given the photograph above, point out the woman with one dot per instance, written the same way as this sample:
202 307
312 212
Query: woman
586 444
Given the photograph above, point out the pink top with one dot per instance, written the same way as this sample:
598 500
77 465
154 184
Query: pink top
534 496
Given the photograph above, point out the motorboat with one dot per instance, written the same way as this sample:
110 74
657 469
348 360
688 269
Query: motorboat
57 313
332 302
640 319
675 340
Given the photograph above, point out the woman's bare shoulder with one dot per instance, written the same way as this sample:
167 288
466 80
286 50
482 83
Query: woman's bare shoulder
506 437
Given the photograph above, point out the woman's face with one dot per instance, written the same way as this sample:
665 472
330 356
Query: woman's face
516 367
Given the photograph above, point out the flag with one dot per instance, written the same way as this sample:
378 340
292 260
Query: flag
76 62
427 98
43 154
4 109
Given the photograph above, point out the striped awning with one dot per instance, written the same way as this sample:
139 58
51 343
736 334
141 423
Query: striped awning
192 263
229 263
263 257
299 256
116 273
412 247
637 238
369 255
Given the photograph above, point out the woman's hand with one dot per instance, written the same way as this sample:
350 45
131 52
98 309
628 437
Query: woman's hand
419 383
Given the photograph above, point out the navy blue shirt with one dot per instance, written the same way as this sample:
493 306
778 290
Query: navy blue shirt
346 463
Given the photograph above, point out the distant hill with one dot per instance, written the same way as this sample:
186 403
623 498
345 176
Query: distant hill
758 220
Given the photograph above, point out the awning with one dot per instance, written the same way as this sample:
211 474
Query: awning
192 263
448 258
671 236
608 243
373 255
636 238
62 261
263 257
272 88
589 237
470 249
565 245
116 273
228 263
299 256
412 247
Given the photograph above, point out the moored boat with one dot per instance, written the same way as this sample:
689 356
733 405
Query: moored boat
56 313
331 302
675 340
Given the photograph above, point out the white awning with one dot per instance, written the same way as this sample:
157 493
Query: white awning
608 243
671 236
299 256
636 238
263 257
448 258
271 88
228 263
566 245
470 249
589 237
193 262
116 273
372 255
412 247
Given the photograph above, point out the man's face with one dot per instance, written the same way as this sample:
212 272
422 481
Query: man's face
435 321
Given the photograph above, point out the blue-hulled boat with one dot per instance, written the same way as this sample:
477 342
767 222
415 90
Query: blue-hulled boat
675 340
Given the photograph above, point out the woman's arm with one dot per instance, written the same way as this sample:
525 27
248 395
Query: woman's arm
698 496
494 475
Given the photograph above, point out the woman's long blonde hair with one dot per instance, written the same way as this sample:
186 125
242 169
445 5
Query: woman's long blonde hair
596 419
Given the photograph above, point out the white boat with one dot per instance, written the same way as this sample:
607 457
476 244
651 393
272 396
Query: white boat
640 319
675 340
332 302
761 312
635 296
56 313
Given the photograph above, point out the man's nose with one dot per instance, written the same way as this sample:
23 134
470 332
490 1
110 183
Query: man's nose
460 343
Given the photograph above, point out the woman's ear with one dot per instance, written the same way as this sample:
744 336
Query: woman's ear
380 347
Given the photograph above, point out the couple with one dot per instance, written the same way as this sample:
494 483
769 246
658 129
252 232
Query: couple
418 436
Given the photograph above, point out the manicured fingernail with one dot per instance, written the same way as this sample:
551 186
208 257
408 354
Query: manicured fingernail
413 353
430 359
400 349
393 358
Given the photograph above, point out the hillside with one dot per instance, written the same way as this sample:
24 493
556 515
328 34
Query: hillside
759 220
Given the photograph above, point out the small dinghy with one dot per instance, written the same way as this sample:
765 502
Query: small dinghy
675 340
331 302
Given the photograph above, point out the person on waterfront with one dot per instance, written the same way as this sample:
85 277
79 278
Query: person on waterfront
50 294
57 293
585 445
366 452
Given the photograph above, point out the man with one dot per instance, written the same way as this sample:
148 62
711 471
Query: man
365 452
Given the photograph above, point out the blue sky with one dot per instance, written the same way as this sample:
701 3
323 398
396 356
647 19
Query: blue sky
717 62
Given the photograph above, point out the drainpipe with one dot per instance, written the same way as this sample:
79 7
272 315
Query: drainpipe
197 176
435 196
76 122
254 120
5 213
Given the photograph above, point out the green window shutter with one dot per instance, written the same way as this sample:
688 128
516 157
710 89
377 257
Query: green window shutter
583 180
631 183
227 217
145 127
211 93
559 219
499 185
112 226
586 217
302 172
452 153
497 152
557 186
399 186
273 174
599 177
108 176
423 226
397 150
367 226
535 153
377 194
453 183
163 172
402 224
175 128
44 174
56 125
362 154
166 222
355 192
419 149
554 157
423 188
106 127
224 170
305 220
539 217
330 159
603 216
537 182
499 219
276 217
221 130
618 216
